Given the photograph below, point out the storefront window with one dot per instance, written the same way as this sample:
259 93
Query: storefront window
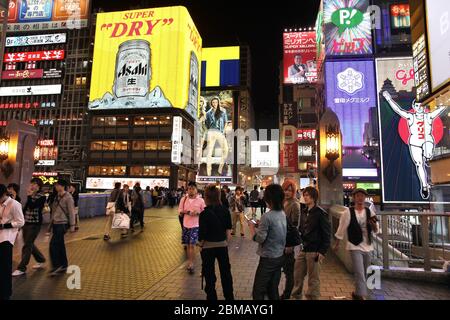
151 145
165 145
138 145
107 170
96 145
110 121
164 171
149 171
165 120
146 121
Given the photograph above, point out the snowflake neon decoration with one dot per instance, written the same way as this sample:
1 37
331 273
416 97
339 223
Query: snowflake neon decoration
350 81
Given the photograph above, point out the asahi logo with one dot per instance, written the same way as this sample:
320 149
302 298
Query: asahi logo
132 70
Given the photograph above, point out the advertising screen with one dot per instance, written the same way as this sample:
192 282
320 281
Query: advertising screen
299 57
409 133
220 67
146 59
216 134
438 22
347 27
264 154
400 16
350 93
108 183
33 15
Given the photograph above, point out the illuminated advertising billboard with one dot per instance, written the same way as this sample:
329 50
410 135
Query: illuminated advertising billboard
33 15
400 16
438 23
31 74
347 27
220 67
146 59
216 132
289 136
34 56
350 93
299 57
409 134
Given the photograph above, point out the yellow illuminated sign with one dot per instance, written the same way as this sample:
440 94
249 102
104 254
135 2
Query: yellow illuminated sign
213 57
146 58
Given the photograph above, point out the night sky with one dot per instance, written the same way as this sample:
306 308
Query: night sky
233 22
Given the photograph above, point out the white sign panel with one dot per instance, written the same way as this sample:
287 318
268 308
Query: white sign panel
30 90
108 183
354 172
264 154
177 146
35 40
46 163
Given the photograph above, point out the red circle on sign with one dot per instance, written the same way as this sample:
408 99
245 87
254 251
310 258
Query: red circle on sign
438 129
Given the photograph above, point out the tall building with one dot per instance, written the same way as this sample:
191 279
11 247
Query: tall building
45 80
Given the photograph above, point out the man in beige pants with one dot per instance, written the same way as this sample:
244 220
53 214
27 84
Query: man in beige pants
237 210
315 229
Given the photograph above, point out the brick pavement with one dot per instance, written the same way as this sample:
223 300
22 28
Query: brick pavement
150 266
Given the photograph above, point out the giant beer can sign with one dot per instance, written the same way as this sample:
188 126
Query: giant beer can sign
143 59
132 69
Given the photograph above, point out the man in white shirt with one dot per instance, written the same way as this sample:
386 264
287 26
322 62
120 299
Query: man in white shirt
360 223
11 219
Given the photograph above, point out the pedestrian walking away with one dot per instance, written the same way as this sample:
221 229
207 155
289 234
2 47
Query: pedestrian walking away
237 210
214 231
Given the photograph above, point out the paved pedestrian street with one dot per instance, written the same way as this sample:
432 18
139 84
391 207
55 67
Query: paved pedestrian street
150 265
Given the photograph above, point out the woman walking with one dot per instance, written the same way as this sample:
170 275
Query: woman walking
111 209
214 231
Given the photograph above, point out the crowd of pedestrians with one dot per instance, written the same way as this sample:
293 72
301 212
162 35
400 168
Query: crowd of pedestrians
209 219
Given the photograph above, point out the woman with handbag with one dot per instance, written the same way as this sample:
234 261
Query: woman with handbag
214 231
111 209
360 223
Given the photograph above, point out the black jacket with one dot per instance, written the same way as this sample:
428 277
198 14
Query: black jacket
214 221
315 229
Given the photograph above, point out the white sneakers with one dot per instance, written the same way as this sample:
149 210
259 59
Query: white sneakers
38 266
18 273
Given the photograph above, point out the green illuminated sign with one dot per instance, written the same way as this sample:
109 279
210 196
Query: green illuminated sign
371 186
346 18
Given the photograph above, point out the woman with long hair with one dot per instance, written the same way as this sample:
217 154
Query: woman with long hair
214 231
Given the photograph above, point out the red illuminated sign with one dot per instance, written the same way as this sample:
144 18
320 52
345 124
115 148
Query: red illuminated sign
27 105
34 56
33 122
23 74
306 134
45 174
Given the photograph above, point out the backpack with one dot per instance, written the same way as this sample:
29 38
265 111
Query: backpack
293 237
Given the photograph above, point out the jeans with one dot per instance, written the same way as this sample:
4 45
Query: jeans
30 233
6 254
267 278
361 261
288 270
306 264
58 254
209 257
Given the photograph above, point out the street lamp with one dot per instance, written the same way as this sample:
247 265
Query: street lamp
4 147
333 144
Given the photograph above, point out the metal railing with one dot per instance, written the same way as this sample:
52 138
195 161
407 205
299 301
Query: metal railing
418 240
